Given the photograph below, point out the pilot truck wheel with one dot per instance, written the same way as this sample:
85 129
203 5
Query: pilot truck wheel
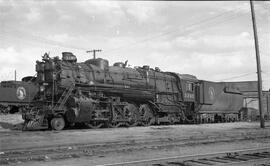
58 123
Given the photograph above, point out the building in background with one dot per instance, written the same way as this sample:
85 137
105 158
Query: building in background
250 109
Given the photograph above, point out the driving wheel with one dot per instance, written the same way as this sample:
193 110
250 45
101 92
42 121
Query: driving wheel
146 115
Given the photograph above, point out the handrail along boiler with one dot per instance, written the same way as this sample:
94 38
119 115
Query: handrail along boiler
96 94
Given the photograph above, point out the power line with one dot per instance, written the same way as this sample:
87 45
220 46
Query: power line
43 40
238 76
266 73
184 30
37 39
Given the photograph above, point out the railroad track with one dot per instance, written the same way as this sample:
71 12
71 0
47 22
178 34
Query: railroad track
88 150
258 157
80 150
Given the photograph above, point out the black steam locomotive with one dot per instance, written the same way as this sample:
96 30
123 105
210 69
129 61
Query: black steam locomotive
96 94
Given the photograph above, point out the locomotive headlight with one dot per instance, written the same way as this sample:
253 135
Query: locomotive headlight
41 88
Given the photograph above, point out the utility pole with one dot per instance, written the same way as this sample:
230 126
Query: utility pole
94 52
15 75
258 64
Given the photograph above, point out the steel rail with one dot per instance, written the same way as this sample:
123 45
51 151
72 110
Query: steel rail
253 162
186 158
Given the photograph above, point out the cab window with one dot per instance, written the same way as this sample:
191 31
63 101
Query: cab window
189 86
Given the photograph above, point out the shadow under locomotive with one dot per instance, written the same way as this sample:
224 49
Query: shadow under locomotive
96 94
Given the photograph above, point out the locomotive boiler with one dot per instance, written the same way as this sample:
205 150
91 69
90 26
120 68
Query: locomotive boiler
97 94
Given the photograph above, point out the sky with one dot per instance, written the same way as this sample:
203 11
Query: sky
212 40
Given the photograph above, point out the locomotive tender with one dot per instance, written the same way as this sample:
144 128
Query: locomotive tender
96 94
17 95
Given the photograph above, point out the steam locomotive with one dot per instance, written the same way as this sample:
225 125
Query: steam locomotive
96 94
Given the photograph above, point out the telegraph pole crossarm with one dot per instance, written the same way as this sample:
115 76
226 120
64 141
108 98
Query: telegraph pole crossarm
94 52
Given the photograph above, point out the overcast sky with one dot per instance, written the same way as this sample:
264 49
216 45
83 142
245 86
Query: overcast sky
211 40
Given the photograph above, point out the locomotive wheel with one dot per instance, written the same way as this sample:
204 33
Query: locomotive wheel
131 112
146 114
172 119
95 125
58 123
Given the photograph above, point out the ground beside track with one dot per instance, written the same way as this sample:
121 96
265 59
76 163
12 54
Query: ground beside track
144 153
16 139
145 141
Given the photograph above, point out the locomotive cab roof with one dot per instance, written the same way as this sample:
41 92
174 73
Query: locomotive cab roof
188 77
